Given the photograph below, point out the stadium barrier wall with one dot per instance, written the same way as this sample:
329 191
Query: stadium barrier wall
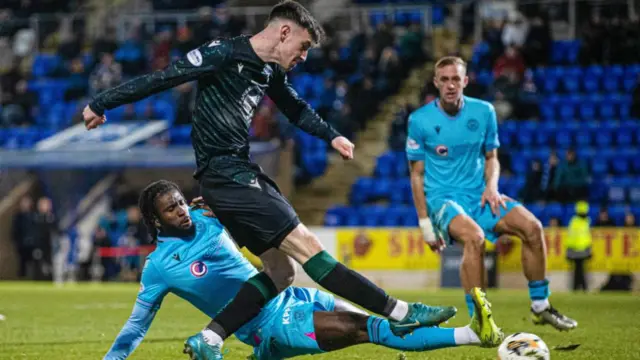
397 258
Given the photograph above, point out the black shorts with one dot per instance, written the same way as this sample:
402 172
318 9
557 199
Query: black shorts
249 204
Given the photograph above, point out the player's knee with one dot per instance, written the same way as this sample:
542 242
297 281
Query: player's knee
474 240
533 232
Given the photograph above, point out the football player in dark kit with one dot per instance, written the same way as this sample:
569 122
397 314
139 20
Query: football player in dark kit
233 75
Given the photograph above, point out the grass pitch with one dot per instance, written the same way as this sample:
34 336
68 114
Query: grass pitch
81 322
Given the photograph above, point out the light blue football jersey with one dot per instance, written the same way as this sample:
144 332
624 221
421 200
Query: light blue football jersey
453 147
207 270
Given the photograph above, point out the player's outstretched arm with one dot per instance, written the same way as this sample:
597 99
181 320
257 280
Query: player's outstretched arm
200 61
132 333
300 113
152 290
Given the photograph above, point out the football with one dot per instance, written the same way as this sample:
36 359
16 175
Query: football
523 346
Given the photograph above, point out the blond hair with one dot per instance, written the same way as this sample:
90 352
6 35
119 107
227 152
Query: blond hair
450 60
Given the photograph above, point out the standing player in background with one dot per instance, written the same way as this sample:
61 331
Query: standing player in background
233 76
452 148
197 261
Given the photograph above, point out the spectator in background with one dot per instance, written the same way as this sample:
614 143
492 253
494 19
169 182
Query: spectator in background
603 218
411 46
22 107
593 38
390 72
184 41
629 219
572 179
475 89
204 29
554 222
578 245
23 235
510 63
527 102
161 53
515 31
503 106
493 38
105 45
635 102
6 56
46 228
383 38
106 75
538 43
548 176
131 54
78 81
532 190
227 25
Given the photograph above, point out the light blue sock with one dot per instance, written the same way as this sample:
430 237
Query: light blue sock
539 290
470 307
426 338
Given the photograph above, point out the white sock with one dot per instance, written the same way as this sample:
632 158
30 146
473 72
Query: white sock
400 311
465 336
540 305
211 337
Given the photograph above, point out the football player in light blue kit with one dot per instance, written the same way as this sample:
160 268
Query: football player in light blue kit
452 148
196 260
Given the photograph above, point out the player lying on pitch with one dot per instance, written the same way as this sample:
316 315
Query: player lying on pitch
196 260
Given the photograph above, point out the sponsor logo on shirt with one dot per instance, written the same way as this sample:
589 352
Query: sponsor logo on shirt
198 268
442 150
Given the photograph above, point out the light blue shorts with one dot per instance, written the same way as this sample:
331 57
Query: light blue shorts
291 332
442 209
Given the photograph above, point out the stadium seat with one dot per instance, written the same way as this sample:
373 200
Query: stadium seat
617 213
554 210
336 215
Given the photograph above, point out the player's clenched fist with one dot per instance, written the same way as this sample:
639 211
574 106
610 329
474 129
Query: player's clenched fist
344 147
91 120
430 237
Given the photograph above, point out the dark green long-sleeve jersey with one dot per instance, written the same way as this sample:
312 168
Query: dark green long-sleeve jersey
232 80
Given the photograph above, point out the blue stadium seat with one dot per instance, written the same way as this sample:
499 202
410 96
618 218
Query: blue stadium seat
598 189
371 216
617 213
554 210
336 215
583 138
624 137
620 165
568 212
603 138
360 191
599 167
381 188
385 166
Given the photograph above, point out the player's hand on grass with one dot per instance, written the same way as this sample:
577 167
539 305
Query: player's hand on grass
344 147
91 120
429 236
492 197
198 203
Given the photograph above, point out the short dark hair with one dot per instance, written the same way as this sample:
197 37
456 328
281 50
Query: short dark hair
294 11
147 203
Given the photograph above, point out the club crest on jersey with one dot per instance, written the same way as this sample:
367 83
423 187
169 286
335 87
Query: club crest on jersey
473 124
198 268
442 150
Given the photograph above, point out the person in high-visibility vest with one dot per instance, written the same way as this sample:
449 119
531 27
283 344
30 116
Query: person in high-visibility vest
579 245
